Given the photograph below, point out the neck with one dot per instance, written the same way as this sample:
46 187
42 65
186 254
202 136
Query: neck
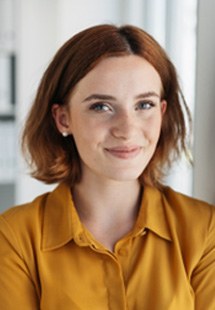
107 208
95 196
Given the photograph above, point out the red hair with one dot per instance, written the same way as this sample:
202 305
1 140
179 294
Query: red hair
54 158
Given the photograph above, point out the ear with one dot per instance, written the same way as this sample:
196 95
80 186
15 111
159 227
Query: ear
61 116
163 106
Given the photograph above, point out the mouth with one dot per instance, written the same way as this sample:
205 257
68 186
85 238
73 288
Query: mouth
124 152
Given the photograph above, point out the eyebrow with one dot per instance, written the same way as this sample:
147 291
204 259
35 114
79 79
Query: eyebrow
100 97
148 94
108 97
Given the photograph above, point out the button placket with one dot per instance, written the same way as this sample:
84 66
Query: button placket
122 249
115 282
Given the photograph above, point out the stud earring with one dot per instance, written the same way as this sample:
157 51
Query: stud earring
65 134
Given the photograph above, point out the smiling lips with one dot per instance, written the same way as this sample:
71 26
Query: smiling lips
124 152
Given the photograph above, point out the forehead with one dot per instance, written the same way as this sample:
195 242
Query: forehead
121 73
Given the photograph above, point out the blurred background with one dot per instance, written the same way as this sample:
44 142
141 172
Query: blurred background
31 31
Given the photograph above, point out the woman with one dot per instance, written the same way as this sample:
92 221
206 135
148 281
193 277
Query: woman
106 123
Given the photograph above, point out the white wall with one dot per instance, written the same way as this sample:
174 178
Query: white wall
181 22
36 43
42 26
73 15
204 149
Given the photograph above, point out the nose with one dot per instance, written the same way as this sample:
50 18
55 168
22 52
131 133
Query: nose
124 126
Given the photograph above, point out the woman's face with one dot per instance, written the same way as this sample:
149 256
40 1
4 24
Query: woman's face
115 115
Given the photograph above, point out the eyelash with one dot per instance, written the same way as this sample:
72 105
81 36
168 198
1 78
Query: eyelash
149 105
99 107
103 107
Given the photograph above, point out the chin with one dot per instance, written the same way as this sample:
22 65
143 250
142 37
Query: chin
125 177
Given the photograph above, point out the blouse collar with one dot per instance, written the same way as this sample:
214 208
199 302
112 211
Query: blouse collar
61 222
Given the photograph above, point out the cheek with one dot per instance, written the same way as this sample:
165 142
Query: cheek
82 138
153 128
87 136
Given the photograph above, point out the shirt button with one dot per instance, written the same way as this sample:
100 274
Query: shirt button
81 238
123 252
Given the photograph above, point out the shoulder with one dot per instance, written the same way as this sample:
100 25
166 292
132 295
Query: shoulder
189 218
33 211
20 222
28 225
20 214
187 207
192 226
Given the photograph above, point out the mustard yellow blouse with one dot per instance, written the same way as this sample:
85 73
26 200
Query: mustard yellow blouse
49 261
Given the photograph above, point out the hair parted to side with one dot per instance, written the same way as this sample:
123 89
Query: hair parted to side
53 158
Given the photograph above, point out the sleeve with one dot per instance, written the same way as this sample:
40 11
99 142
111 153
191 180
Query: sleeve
203 279
17 290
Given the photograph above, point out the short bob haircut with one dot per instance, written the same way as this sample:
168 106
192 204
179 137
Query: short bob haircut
54 158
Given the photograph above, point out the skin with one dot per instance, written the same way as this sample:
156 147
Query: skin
114 114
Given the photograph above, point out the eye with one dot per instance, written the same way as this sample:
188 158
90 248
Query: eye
144 105
100 107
